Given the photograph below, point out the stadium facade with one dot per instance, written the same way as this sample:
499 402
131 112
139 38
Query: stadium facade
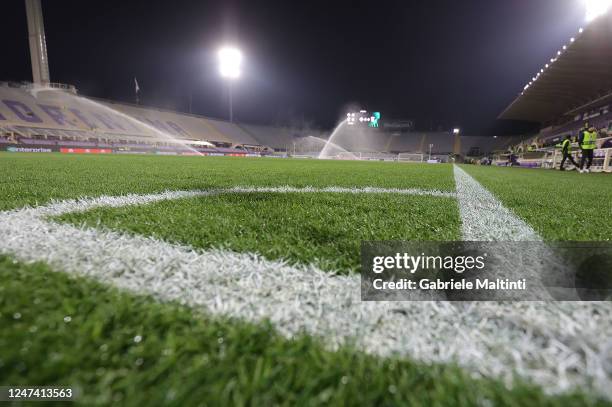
54 117
572 89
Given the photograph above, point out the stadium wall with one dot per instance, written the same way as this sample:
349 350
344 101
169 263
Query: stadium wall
81 122
27 111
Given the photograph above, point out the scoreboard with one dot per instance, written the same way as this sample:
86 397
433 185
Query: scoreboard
363 118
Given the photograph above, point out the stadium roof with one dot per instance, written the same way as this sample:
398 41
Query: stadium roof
578 74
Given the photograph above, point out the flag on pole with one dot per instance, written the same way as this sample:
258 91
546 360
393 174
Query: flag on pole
137 90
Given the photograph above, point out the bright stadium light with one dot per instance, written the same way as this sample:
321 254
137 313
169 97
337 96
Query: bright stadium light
230 61
456 130
595 8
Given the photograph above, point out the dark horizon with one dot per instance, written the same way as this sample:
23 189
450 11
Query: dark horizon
442 64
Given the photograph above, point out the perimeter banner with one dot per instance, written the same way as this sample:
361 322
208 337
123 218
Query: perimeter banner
38 149
486 271
86 150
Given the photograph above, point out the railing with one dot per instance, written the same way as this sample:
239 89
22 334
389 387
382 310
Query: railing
551 159
62 86
602 160
30 85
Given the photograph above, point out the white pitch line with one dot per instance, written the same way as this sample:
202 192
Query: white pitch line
484 217
560 347
57 208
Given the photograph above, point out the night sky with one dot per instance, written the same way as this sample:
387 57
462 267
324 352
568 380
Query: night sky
442 63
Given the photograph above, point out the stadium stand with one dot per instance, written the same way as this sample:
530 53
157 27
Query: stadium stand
58 118
578 77
479 146
443 143
574 89
275 137
278 138
407 143
234 133
283 138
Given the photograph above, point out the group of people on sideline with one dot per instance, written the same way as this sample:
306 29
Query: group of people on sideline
587 142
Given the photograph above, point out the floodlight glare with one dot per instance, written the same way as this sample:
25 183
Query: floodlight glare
457 130
230 60
595 8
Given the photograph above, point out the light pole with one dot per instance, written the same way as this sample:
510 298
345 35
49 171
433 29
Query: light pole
231 102
457 141
230 60
430 147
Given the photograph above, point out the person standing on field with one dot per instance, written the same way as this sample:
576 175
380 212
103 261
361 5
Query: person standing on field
566 149
587 142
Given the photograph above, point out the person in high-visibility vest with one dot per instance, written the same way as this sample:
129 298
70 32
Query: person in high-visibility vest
566 149
588 142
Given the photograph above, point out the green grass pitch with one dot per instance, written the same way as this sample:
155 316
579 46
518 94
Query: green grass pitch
121 348
318 228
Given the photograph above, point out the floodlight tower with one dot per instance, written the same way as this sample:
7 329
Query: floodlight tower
230 61
38 43
457 141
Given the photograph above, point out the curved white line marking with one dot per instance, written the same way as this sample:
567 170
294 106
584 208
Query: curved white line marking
557 345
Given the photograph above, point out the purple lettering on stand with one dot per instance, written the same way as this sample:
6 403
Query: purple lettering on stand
56 114
107 121
82 118
22 111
